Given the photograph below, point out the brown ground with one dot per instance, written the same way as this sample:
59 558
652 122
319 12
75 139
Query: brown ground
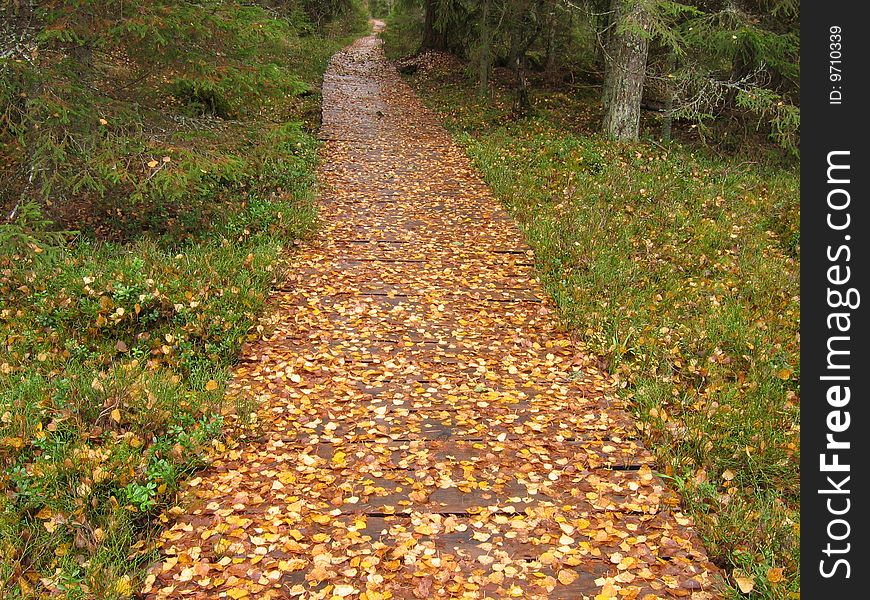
425 429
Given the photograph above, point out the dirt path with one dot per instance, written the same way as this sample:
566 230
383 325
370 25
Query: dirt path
426 431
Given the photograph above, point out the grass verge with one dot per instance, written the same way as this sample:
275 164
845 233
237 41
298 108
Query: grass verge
681 269
118 341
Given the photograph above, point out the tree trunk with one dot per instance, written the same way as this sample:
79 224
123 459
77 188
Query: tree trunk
668 119
485 50
432 38
626 69
517 56
550 58
601 21
522 103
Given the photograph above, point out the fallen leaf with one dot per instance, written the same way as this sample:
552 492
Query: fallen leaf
775 574
746 584
567 576
343 590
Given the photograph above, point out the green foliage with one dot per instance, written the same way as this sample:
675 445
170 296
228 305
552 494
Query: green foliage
136 116
381 9
15 77
737 58
403 33
201 97
29 233
783 118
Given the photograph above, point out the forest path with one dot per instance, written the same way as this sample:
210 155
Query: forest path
425 430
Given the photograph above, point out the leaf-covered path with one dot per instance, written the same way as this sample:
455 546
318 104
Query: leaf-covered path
425 429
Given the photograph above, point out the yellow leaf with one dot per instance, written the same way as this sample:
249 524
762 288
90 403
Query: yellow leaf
567 576
774 575
116 415
212 385
237 593
152 163
294 564
607 592
784 374
746 584
13 442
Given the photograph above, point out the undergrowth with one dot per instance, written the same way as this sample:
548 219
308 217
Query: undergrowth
160 159
681 269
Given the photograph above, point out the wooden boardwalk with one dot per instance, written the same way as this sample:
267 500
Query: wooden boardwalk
426 431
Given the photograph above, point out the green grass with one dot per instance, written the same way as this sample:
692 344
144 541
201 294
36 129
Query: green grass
681 269
119 339
112 391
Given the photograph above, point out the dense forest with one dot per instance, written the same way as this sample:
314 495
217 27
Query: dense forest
696 62
158 163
